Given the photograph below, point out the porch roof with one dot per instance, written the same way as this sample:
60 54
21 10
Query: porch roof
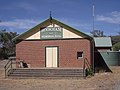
103 42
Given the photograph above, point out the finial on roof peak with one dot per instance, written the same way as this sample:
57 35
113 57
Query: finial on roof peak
50 17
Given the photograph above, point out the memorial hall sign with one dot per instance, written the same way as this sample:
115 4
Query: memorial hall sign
51 33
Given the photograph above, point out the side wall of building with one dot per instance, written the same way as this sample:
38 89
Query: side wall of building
33 52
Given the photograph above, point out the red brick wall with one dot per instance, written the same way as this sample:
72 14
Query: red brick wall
33 52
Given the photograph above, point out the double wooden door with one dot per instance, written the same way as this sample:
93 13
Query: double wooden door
51 56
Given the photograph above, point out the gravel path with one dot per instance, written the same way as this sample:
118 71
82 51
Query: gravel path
117 86
101 81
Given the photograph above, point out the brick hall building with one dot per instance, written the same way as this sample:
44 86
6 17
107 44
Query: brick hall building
53 44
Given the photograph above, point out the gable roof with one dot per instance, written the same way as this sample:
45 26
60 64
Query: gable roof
103 42
46 23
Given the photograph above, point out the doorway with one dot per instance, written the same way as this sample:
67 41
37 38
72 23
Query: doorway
51 56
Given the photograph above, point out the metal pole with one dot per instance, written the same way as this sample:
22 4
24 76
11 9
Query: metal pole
93 30
11 63
5 72
93 17
84 68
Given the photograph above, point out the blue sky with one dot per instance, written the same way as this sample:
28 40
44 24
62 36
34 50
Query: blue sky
21 15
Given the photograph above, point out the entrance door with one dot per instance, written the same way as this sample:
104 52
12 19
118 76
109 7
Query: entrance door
51 56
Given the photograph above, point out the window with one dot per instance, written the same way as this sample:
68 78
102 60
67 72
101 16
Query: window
79 55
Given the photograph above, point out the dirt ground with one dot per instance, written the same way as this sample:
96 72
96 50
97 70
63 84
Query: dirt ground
101 81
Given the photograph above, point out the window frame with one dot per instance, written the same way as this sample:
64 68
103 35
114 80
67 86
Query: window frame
78 54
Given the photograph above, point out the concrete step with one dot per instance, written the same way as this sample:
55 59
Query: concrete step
45 73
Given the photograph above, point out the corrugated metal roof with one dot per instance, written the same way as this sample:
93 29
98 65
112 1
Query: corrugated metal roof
103 42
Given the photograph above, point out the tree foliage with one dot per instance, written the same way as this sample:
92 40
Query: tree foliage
97 33
119 33
7 46
116 47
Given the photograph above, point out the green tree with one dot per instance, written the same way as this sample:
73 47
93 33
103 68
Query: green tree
116 47
7 46
119 33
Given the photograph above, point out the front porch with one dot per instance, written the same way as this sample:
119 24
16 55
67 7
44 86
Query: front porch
12 71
